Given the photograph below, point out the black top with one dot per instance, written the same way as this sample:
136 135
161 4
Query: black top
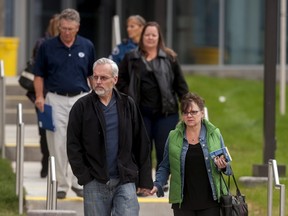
197 189
149 91
168 75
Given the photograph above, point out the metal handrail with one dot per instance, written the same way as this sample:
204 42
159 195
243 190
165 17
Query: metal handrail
20 157
273 173
3 108
51 201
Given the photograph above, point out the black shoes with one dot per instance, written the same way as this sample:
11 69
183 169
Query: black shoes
79 192
61 194
43 173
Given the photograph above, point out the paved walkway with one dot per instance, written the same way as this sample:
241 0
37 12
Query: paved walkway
36 190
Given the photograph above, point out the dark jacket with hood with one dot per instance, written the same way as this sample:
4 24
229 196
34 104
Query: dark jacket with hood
86 142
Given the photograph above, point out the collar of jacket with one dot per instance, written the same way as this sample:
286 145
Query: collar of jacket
137 53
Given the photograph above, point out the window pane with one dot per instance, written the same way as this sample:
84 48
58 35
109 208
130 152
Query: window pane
196 24
244 32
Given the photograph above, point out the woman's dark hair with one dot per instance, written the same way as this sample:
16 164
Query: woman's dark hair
188 98
161 43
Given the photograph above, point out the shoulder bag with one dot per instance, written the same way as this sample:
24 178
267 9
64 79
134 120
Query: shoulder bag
232 205
26 78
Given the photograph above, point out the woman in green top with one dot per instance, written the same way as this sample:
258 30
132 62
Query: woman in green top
195 180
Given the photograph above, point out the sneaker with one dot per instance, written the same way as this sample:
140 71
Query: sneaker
61 194
79 192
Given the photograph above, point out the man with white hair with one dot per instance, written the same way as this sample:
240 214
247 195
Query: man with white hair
108 146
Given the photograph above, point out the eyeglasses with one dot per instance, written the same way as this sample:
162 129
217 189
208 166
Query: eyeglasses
192 113
64 29
101 78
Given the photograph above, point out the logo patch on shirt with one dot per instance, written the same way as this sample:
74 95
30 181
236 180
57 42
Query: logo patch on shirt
81 54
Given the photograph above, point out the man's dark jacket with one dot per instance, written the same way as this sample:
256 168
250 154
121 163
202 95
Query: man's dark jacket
86 142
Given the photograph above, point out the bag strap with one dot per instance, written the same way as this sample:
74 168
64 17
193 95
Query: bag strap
238 192
224 182
235 182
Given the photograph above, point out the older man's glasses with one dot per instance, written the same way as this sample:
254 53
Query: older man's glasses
101 78
191 113
64 29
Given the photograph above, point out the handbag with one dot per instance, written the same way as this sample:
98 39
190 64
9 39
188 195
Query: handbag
232 205
26 79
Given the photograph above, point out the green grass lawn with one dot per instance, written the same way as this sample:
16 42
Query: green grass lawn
240 119
8 198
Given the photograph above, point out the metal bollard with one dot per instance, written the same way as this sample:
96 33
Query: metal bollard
51 202
2 108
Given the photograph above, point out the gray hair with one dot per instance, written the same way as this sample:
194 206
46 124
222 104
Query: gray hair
70 14
103 61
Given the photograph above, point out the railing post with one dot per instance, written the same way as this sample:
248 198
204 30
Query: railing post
273 173
282 199
2 108
21 169
18 146
19 157
269 191
51 201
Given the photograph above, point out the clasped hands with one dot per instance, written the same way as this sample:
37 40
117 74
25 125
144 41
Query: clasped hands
147 192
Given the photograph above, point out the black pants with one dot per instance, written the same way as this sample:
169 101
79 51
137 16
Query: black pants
44 149
214 211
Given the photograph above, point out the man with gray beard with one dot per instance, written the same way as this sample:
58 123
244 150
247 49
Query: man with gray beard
108 147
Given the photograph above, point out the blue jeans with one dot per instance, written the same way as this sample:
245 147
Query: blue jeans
158 127
109 199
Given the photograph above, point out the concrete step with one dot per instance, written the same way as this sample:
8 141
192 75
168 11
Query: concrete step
15 94
31 153
51 213
31 142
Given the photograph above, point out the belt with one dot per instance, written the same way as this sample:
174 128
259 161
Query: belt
70 94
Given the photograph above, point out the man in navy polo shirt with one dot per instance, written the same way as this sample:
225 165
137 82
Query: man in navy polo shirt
62 66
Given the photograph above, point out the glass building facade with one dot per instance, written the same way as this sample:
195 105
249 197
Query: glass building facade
226 33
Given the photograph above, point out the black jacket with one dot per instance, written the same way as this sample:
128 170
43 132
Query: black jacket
86 142
169 76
